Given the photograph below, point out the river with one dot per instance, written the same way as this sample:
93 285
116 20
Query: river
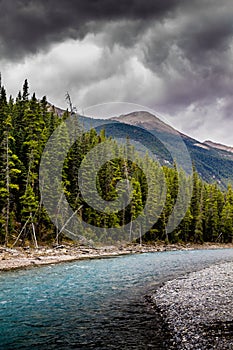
92 304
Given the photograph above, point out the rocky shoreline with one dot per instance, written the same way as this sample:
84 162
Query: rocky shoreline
197 309
26 257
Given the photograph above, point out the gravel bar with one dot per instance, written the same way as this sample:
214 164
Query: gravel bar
25 257
198 309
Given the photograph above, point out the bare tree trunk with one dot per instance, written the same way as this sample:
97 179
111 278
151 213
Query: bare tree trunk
218 238
34 232
20 233
130 230
128 190
166 235
8 192
28 174
58 212
140 237
66 223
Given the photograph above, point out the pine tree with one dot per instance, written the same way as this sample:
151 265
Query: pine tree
227 223
9 173
25 91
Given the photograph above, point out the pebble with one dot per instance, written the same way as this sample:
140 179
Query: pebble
198 309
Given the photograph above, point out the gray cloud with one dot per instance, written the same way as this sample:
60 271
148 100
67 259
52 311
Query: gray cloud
26 26
175 55
193 54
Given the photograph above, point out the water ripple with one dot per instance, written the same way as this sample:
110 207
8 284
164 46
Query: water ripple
96 304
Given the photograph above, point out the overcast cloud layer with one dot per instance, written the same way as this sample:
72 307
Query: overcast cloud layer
174 56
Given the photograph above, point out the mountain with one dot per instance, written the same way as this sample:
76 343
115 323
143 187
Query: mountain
219 146
214 162
145 120
54 109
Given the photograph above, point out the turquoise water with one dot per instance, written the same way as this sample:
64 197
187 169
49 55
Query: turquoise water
92 304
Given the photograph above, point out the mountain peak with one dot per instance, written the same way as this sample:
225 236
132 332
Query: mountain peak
145 120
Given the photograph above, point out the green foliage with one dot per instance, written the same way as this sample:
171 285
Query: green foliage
25 126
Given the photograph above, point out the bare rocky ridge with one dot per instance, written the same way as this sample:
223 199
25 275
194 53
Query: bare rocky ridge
219 146
146 120
197 309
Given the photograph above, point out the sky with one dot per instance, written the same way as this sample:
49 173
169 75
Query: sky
174 57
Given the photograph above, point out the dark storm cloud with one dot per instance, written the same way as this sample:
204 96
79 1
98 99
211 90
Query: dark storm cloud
28 26
193 53
204 35
172 55
197 34
213 35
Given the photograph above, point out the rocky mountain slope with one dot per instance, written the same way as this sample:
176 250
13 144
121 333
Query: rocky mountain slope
214 162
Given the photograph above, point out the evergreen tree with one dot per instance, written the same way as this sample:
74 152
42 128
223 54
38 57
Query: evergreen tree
25 91
9 167
25 126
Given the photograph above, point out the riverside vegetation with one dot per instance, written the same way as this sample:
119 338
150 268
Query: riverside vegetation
26 124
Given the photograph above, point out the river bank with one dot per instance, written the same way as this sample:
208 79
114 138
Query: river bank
197 309
96 304
26 257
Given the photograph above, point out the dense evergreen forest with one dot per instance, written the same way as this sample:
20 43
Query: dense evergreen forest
26 125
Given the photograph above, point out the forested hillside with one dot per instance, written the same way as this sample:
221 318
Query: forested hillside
26 125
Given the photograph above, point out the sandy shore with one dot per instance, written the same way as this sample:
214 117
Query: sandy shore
197 309
26 257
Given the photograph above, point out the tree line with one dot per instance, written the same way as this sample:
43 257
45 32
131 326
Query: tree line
26 124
